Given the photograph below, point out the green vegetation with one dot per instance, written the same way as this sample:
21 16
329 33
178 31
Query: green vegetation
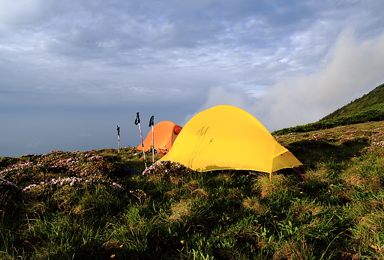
369 107
97 205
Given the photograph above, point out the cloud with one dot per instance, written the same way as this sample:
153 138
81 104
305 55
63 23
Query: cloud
21 12
352 69
33 145
223 96
68 65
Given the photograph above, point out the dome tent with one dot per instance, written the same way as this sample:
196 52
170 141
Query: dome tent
165 134
226 137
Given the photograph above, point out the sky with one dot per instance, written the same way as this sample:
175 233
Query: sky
71 71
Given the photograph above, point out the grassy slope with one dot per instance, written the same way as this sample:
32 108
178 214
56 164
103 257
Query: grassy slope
374 100
336 213
369 107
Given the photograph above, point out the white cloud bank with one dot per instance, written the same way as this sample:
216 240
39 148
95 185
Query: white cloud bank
353 68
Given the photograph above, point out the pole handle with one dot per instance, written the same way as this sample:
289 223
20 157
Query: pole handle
137 121
151 121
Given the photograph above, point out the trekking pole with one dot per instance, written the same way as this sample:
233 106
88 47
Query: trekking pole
118 138
151 123
137 122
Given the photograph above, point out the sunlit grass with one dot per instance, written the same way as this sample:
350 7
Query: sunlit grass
99 205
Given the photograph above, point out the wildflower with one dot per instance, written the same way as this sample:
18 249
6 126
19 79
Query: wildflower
374 247
8 183
29 187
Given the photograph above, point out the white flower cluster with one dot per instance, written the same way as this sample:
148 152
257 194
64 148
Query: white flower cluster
117 185
81 165
377 136
347 137
8 183
29 187
58 164
152 168
317 136
70 180
95 157
16 167
381 144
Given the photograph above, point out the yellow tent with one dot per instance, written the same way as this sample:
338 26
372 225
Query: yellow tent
226 137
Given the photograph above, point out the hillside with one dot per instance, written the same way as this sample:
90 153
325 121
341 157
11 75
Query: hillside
373 101
97 205
369 107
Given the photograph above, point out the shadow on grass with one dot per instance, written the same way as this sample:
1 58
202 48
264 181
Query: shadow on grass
312 153
327 160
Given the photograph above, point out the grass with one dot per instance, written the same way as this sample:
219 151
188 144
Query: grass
98 205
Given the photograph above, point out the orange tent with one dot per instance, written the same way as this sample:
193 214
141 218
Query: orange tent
165 134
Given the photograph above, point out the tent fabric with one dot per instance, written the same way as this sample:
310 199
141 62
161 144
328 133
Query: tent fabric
165 134
226 137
